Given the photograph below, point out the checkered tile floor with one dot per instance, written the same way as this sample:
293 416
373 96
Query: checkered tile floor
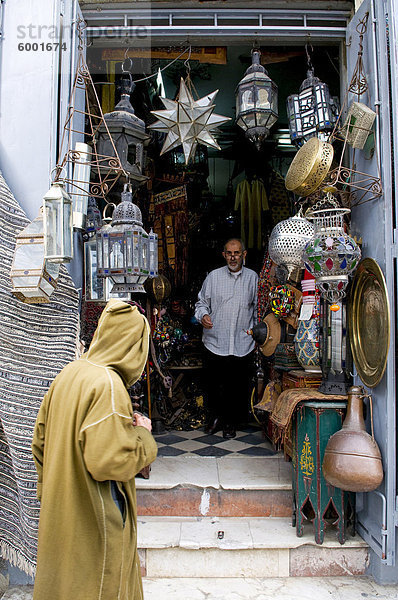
249 441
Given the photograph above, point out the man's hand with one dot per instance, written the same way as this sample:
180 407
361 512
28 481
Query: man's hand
142 421
207 322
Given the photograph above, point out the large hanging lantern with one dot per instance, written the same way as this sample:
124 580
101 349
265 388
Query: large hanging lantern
58 232
332 255
287 242
33 277
312 112
125 252
128 136
256 101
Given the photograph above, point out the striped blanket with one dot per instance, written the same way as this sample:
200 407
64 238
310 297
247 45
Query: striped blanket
36 342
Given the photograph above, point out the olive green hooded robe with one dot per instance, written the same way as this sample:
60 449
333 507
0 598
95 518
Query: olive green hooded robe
84 437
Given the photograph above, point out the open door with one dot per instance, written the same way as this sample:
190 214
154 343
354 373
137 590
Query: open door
375 221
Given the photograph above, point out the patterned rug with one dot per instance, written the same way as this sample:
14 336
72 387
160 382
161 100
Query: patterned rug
249 441
36 342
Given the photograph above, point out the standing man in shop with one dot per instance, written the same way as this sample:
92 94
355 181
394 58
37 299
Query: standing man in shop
226 308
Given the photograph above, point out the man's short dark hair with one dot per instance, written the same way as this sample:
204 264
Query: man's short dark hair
234 239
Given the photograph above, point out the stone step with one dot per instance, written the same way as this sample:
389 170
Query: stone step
242 547
228 486
321 588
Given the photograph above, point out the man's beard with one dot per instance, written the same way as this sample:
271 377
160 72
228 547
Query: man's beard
235 267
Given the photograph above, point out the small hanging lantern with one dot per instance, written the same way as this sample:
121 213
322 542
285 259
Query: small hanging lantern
94 219
58 232
33 277
81 183
358 124
256 102
128 135
312 112
332 255
125 252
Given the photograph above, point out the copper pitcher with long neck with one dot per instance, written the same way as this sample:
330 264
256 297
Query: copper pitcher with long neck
352 459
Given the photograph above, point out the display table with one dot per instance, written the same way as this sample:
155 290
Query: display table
314 499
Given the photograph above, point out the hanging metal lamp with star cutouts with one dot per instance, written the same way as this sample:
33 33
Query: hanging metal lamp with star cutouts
188 122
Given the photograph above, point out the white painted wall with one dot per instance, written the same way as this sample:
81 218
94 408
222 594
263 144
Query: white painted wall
28 98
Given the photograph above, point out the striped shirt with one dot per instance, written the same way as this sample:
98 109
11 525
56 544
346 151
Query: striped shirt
230 299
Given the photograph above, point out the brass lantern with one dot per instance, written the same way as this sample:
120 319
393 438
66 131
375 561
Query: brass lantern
125 252
256 102
33 277
58 232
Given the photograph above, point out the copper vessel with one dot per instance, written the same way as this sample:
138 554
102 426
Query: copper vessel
352 459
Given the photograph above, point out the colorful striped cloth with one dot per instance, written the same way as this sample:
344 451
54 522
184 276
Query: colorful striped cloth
36 342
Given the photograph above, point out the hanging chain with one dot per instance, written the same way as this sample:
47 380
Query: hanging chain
358 84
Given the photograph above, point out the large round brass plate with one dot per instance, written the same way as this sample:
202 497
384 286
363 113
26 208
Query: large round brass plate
309 167
369 322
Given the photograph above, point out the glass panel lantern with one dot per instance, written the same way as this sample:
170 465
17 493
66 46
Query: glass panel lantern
312 111
256 101
81 183
33 278
124 248
58 240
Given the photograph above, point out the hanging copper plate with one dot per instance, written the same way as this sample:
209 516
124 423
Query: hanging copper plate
369 322
309 167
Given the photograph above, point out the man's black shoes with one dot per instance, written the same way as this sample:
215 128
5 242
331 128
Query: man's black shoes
213 426
229 432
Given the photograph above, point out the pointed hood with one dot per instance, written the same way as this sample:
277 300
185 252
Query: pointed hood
121 341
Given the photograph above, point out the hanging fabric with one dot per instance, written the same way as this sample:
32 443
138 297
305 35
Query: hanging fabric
252 200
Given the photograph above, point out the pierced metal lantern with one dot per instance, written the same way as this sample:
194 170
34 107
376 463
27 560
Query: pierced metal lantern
312 112
57 218
128 135
332 255
125 252
287 242
256 101
33 277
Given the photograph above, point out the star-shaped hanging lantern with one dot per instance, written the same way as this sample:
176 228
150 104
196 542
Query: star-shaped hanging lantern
188 122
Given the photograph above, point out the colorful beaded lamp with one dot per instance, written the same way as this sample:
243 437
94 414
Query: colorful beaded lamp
332 255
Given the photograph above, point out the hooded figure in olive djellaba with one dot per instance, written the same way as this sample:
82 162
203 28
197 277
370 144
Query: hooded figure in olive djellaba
87 449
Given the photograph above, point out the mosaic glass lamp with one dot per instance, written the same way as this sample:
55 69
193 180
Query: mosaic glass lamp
332 255
125 252
256 102
33 277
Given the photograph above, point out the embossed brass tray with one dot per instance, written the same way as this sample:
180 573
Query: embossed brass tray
369 322
309 167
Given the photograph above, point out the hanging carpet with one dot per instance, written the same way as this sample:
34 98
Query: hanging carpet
36 342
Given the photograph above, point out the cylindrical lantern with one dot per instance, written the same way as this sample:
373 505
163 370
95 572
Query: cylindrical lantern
81 182
256 101
58 233
33 278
